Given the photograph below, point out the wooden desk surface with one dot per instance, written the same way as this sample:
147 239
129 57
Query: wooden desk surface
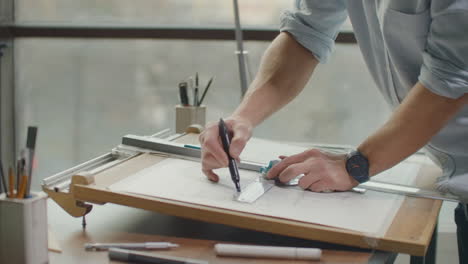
114 223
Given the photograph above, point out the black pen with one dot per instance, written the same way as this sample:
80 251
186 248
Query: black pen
195 92
224 135
206 90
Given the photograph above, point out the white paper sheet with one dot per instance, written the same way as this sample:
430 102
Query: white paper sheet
183 180
262 151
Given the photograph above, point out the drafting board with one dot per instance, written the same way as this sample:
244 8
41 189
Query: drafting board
409 231
183 181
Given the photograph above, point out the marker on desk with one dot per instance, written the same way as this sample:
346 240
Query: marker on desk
233 250
206 90
138 257
224 135
147 245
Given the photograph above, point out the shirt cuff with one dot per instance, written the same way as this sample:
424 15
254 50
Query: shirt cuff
316 42
443 78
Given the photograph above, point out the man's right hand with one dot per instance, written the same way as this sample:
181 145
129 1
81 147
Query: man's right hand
284 71
213 155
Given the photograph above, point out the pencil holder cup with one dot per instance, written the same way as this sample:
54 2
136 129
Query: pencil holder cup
189 115
23 230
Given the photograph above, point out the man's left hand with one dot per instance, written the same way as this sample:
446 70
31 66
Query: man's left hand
323 172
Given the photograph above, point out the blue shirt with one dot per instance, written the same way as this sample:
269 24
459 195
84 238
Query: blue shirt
403 42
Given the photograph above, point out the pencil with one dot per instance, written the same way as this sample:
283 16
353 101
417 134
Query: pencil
18 173
22 189
11 183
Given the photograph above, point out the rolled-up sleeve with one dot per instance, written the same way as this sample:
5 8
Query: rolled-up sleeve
445 61
315 25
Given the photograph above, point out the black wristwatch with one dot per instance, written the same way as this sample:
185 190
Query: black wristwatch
357 166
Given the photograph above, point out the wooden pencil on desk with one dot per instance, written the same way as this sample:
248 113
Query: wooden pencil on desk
11 183
22 187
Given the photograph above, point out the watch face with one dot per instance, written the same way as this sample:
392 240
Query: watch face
358 167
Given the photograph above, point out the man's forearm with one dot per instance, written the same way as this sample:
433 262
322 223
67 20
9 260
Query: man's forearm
420 116
285 69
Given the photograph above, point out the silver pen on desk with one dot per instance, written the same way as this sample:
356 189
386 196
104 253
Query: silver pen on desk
147 245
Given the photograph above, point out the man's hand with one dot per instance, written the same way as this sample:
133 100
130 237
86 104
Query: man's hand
323 172
213 155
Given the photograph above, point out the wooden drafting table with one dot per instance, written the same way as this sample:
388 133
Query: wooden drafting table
410 231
